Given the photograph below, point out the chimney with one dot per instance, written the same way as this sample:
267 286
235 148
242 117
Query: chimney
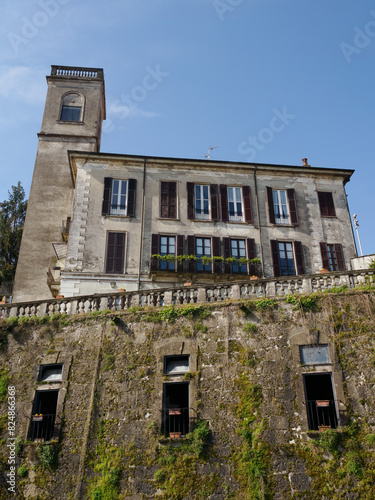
304 163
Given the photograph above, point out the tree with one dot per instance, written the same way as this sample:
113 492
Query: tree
12 218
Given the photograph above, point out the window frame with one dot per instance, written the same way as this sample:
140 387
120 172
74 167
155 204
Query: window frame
131 197
196 215
64 104
326 250
298 258
43 367
326 204
175 356
205 267
278 205
118 210
163 264
318 346
235 216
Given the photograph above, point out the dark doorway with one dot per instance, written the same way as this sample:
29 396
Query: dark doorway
320 401
176 409
43 415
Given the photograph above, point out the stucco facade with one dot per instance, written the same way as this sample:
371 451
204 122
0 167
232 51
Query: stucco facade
95 220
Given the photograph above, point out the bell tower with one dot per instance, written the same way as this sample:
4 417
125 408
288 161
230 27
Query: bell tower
72 120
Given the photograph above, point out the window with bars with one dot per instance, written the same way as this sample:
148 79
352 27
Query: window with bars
282 206
287 257
326 205
115 253
202 202
168 200
332 256
119 197
235 211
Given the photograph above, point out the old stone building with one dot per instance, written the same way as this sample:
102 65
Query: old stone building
98 222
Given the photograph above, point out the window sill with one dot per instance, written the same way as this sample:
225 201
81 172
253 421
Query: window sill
70 123
110 216
328 216
168 218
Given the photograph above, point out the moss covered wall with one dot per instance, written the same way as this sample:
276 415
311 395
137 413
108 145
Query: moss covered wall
249 433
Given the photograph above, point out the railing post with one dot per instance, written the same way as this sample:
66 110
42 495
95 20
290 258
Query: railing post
103 303
306 285
235 292
135 300
43 309
167 298
271 289
201 295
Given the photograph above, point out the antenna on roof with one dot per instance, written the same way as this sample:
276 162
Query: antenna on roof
208 155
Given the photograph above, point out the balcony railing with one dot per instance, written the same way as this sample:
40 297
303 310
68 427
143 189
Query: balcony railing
321 414
205 266
240 290
175 422
41 427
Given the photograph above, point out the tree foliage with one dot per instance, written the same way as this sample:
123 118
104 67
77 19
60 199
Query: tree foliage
12 218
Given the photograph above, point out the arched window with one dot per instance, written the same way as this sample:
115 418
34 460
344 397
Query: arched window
72 108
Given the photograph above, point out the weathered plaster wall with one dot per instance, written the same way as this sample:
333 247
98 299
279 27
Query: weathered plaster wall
246 381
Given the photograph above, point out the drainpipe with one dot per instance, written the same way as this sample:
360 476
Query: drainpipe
258 214
142 226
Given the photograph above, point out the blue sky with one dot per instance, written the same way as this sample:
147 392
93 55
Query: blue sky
224 69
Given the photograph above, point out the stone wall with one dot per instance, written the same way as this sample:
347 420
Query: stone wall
249 429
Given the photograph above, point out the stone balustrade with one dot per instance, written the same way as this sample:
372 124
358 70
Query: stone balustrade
249 289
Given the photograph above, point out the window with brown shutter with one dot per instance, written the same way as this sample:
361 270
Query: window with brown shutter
332 256
287 257
115 253
282 206
168 200
327 208
119 197
203 201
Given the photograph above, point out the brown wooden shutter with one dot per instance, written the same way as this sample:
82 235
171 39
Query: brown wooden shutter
250 248
224 202
107 196
275 258
247 204
190 200
340 257
180 250
292 206
131 197
172 202
215 209
271 211
330 206
325 259
115 253
155 250
298 252
216 252
191 251
164 199
227 254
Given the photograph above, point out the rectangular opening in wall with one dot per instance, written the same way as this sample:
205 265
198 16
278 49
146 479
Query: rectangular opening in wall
175 414
50 373
43 416
174 365
320 401
314 355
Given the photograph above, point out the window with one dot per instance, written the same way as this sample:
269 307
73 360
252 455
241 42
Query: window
43 416
50 373
168 200
320 401
71 109
167 247
119 197
282 206
287 258
203 249
314 355
203 201
238 250
174 365
115 253
175 414
332 256
327 208
236 204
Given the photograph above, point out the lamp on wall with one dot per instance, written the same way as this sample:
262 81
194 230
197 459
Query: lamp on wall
113 284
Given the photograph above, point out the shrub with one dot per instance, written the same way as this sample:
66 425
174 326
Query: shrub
23 471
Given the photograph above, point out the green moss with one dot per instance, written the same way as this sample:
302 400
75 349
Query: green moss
108 466
48 455
250 328
304 302
22 471
4 383
264 304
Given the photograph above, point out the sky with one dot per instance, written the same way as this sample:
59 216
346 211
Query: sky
184 76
